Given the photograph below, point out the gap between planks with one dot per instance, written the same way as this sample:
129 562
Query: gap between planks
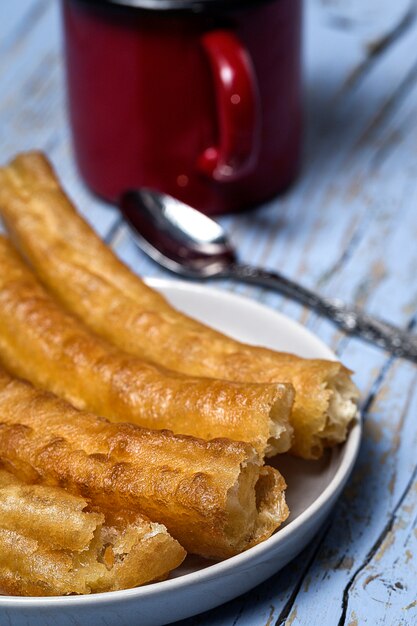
376 48
366 407
116 230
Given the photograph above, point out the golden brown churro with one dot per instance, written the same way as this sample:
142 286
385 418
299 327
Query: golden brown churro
88 278
214 497
43 343
52 544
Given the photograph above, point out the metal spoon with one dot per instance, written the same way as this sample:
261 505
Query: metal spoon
191 244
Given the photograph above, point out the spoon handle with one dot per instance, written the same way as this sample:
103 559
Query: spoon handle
351 319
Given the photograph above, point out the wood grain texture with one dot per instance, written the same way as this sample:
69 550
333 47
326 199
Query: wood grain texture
32 105
348 227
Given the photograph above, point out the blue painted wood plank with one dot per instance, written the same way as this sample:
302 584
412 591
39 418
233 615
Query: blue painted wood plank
336 230
327 578
311 241
33 106
16 19
388 574
396 300
293 233
382 475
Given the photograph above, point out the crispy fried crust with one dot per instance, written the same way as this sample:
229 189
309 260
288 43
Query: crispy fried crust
52 544
41 342
88 278
214 497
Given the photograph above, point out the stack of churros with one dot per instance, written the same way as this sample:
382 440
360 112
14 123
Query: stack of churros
52 542
139 433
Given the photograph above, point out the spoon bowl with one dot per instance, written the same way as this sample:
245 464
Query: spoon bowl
177 236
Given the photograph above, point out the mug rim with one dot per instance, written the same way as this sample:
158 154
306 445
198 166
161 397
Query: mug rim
195 6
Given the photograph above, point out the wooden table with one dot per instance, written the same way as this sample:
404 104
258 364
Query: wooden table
347 228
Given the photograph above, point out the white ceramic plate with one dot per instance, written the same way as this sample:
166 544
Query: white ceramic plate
313 488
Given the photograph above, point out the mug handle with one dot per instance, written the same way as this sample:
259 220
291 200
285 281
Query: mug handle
238 109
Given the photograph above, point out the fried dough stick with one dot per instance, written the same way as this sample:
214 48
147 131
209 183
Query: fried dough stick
214 497
43 343
89 279
52 544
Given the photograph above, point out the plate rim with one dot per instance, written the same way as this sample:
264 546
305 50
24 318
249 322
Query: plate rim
350 452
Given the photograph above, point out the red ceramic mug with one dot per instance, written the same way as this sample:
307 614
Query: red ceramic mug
199 99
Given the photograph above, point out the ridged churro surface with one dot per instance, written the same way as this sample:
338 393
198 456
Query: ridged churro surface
115 303
214 497
43 343
52 543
